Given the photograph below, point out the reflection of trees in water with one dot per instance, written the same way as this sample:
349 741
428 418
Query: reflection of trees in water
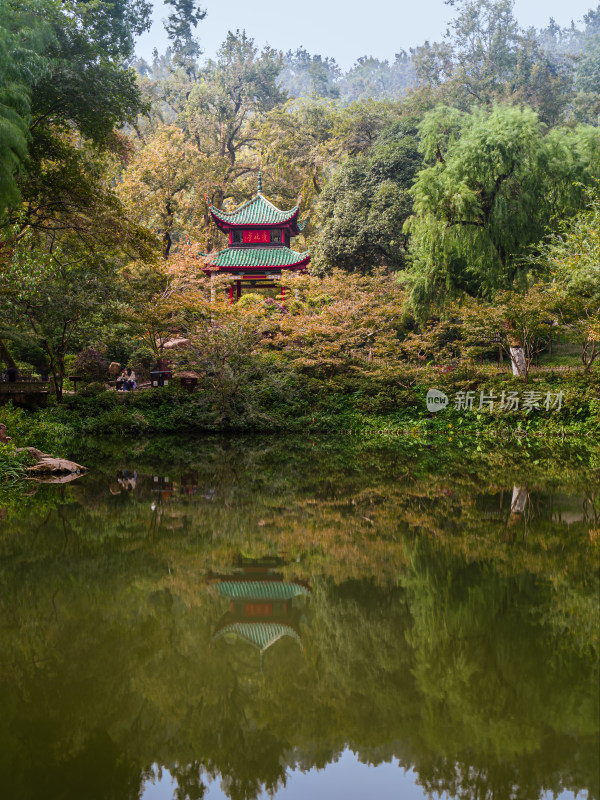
460 689
430 635
496 698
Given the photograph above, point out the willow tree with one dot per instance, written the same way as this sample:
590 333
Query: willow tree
492 184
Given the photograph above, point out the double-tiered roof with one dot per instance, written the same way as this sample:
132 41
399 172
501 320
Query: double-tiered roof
259 238
261 610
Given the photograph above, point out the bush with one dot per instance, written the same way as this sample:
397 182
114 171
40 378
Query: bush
92 389
91 364
250 300
13 465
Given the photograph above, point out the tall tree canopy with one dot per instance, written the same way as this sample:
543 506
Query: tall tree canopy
184 17
23 36
162 186
571 262
365 204
372 78
65 234
216 118
492 184
76 94
486 57
234 92
304 74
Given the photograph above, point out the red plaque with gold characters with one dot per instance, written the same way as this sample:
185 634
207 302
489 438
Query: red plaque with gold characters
257 237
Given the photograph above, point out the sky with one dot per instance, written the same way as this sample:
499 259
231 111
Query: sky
346 29
347 777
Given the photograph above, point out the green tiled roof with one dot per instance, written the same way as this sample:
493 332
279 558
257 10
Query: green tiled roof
262 257
259 634
257 211
260 590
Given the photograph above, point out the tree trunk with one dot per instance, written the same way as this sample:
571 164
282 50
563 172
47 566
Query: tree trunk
589 354
5 355
519 364
517 352
167 245
58 378
56 369
167 234
519 499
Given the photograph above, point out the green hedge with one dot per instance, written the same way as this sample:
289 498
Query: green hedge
364 399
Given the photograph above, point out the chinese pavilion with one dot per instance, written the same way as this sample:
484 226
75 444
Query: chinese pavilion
259 243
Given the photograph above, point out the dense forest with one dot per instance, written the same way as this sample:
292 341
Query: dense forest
450 198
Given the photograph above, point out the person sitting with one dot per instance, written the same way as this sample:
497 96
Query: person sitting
130 382
122 380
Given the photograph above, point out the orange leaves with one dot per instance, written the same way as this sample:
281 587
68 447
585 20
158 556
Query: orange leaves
161 185
340 316
333 320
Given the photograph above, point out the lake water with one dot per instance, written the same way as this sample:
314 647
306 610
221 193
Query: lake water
234 618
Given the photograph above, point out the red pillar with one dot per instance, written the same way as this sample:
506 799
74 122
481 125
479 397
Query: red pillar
239 290
282 295
231 293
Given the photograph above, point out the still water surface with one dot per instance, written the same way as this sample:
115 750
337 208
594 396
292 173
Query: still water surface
347 777
243 619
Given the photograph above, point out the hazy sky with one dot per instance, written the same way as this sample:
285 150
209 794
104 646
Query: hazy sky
344 30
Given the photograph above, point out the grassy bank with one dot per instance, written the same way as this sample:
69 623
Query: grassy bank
371 402
13 465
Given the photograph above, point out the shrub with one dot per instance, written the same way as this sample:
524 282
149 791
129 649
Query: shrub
92 389
91 364
250 300
13 465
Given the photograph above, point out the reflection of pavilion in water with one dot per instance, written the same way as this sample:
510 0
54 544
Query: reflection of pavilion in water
264 607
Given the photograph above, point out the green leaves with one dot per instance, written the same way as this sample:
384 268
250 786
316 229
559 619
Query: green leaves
571 261
485 57
186 14
364 205
239 86
67 91
20 64
494 181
